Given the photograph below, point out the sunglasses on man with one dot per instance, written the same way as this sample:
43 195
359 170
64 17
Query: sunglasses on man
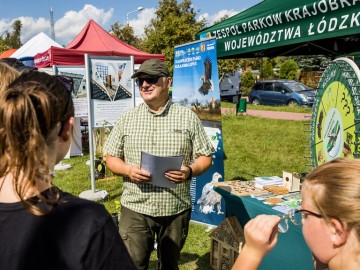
149 80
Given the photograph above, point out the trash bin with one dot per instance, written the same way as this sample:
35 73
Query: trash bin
242 105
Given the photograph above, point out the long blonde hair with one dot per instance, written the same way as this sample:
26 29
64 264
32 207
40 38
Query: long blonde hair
335 188
30 108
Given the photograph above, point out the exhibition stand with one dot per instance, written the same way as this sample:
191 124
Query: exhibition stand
290 252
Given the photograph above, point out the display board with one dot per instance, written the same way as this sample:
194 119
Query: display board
111 88
110 93
196 86
335 120
77 74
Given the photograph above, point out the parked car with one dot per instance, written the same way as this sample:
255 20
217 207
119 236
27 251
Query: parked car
281 92
230 87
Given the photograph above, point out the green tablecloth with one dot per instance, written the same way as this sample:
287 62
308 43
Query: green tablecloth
291 251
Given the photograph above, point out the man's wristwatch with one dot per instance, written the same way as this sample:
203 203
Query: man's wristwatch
190 173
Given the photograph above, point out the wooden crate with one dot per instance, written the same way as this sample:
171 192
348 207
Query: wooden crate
227 241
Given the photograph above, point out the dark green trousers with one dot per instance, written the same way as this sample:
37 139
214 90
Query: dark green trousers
140 231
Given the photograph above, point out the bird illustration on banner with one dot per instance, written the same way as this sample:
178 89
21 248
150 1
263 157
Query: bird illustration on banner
207 84
209 197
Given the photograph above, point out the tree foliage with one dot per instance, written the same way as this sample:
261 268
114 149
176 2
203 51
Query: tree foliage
312 62
11 40
3 46
228 66
267 71
126 34
175 24
247 81
289 70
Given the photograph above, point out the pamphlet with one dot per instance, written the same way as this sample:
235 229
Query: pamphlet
262 181
282 208
158 165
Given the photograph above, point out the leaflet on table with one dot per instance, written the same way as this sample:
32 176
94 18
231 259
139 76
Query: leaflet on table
282 208
158 165
283 203
287 197
289 201
262 181
286 206
262 197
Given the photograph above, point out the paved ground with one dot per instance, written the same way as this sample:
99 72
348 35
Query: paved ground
272 114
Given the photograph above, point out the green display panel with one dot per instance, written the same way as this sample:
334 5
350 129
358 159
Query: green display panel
335 120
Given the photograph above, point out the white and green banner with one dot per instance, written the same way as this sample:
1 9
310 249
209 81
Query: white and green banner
283 27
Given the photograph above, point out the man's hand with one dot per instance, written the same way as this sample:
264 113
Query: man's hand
138 175
179 176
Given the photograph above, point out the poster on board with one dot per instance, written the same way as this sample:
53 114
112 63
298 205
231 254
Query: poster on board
196 86
111 89
77 74
110 93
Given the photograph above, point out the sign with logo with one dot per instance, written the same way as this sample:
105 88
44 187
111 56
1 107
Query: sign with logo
273 24
335 120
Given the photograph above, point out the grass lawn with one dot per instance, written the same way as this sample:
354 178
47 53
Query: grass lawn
253 147
299 109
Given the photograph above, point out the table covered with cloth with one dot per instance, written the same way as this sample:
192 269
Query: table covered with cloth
290 252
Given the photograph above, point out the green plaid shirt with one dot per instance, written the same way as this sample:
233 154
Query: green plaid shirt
175 130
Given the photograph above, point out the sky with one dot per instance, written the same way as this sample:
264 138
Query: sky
70 16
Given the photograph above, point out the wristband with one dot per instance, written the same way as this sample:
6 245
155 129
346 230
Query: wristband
190 174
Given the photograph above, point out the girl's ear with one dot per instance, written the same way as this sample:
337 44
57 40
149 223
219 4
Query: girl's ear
67 129
340 233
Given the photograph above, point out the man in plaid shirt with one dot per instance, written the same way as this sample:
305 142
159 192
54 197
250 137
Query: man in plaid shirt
159 127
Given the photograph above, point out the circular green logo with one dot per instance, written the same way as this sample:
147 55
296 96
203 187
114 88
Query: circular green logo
335 122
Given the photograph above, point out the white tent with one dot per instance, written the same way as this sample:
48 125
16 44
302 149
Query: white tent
39 43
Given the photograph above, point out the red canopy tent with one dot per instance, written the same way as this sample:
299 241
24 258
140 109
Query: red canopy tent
92 40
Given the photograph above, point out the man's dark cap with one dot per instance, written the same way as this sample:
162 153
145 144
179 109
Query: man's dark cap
152 67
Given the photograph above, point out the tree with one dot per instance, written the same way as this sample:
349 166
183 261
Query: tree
267 71
227 66
12 40
175 24
289 70
126 34
247 81
312 62
3 46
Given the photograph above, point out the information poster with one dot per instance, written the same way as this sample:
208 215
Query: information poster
111 89
110 93
77 74
196 86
